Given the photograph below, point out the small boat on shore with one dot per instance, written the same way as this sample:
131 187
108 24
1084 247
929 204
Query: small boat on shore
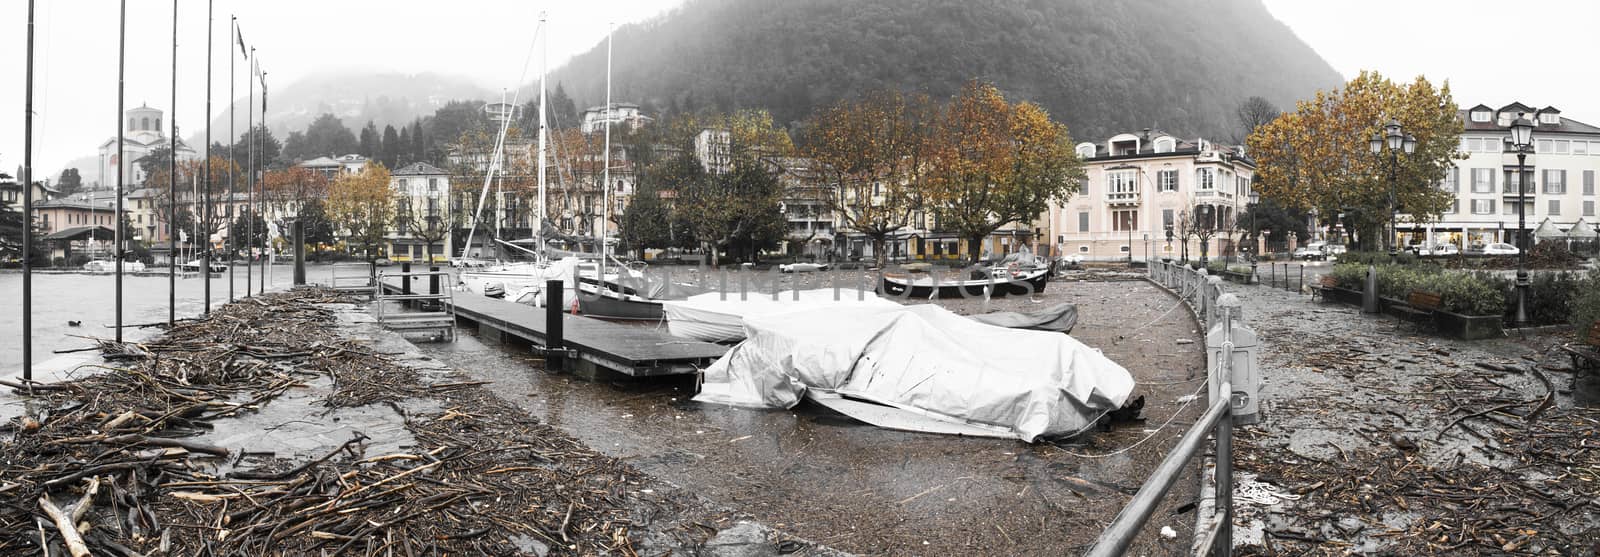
994 282
195 265
109 266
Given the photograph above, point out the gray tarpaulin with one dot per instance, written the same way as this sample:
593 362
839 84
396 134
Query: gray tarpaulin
1059 317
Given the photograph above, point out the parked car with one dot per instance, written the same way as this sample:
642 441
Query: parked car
1334 249
802 267
1309 253
1498 248
1436 249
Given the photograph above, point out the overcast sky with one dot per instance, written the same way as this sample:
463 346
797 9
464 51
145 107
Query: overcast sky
1550 61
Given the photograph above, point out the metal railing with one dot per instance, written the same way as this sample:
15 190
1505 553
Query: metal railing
437 308
353 277
1214 534
1288 276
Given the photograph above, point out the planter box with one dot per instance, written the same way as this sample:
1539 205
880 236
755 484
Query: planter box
1231 276
1469 327
1342 295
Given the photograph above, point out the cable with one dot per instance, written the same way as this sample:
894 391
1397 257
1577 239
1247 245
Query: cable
1192 397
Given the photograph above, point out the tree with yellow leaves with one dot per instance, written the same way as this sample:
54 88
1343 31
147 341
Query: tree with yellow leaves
995 163
1317 157
362 206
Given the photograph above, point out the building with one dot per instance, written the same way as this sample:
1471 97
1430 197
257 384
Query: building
332 167
142 135
498 113
11 193
1561 172
422 223
808 197
714 149
80 224
622 116
1140 185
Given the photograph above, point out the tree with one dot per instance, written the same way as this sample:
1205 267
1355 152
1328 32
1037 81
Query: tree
12 222
290 192
326 136
315 225
736 210
647 222
875 148
362 206
190 197
1251 114
371 141
265 149
391 147
995 163
70 183
249 230
1317 156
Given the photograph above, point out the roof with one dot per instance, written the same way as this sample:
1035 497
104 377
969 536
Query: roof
1180 146
419 169
599 108
1567 125
81 231
107 205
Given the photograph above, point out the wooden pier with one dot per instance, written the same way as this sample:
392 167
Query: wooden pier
632 350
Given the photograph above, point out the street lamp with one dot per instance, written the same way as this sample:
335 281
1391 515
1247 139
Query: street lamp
1522 140
1396 140
1255 207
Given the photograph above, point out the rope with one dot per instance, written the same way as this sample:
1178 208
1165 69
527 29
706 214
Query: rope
1249 490
1190 400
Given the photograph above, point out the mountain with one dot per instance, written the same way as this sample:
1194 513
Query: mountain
354 96
1101 67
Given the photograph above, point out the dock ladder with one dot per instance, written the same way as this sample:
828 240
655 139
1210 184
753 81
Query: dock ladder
436 311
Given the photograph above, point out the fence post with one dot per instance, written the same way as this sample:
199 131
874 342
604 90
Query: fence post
405 278
1302 278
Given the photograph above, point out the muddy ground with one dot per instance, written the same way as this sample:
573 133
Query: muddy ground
862 489
1378 439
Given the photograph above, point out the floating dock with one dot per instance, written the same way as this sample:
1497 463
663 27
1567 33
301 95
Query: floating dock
633 350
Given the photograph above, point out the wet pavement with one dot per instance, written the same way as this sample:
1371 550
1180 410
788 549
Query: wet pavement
873 491
1370 429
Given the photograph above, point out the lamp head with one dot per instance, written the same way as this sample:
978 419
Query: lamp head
1410 144
1376 143
1521 131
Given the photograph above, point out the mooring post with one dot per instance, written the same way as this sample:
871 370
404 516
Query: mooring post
553 343
299 253
433 280
405 277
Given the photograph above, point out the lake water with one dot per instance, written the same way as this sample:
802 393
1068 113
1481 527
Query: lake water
91 300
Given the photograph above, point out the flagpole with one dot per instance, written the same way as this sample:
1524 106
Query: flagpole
233 163
122 57
250 127
172 183
260 185
27 210
605 158
205 257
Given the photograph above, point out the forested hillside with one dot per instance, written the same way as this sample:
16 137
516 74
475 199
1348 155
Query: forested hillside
1180 65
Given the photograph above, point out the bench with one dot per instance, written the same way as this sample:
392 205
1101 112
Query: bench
1419 307
1585 353
1328 283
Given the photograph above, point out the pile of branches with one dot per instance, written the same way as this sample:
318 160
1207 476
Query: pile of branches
1533 486
107 464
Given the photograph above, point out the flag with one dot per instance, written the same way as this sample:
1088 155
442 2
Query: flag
240 35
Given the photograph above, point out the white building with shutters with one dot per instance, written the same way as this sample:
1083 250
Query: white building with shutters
1562 171
1137 185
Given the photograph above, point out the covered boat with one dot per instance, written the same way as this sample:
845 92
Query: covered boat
993 282
920 368
719 317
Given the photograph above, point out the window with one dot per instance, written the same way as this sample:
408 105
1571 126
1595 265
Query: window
1483 206
1544 146
1562 147
1452 180
1549 118
433 207
1203 179
144 123
1580 147
1588 182
1455 207
158 123
1555 208
1083 249
1588 208
1122 185
1513 183
1480 116
1472 144
1085 150
1164 145
1483 180
1166 219
433 184
1555 181
1083 221
1125 220
130 124
1511 207
1167 180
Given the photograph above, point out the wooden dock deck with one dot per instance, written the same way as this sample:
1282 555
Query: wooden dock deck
627 349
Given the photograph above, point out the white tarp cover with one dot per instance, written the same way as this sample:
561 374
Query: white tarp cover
924 360
719 317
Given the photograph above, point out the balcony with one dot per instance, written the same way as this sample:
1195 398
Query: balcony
1123 198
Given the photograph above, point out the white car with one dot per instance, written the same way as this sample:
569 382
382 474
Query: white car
1309 253
802 267
1437 249
1500 249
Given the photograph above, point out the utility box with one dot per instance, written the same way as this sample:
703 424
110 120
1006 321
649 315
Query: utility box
1245 357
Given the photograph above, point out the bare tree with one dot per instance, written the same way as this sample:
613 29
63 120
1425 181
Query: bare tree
1253 113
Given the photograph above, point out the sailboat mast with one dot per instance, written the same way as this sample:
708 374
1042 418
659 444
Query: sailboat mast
605 159
544 56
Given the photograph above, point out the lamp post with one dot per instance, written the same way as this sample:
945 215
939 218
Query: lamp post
1255 232
1396 140
1521 140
